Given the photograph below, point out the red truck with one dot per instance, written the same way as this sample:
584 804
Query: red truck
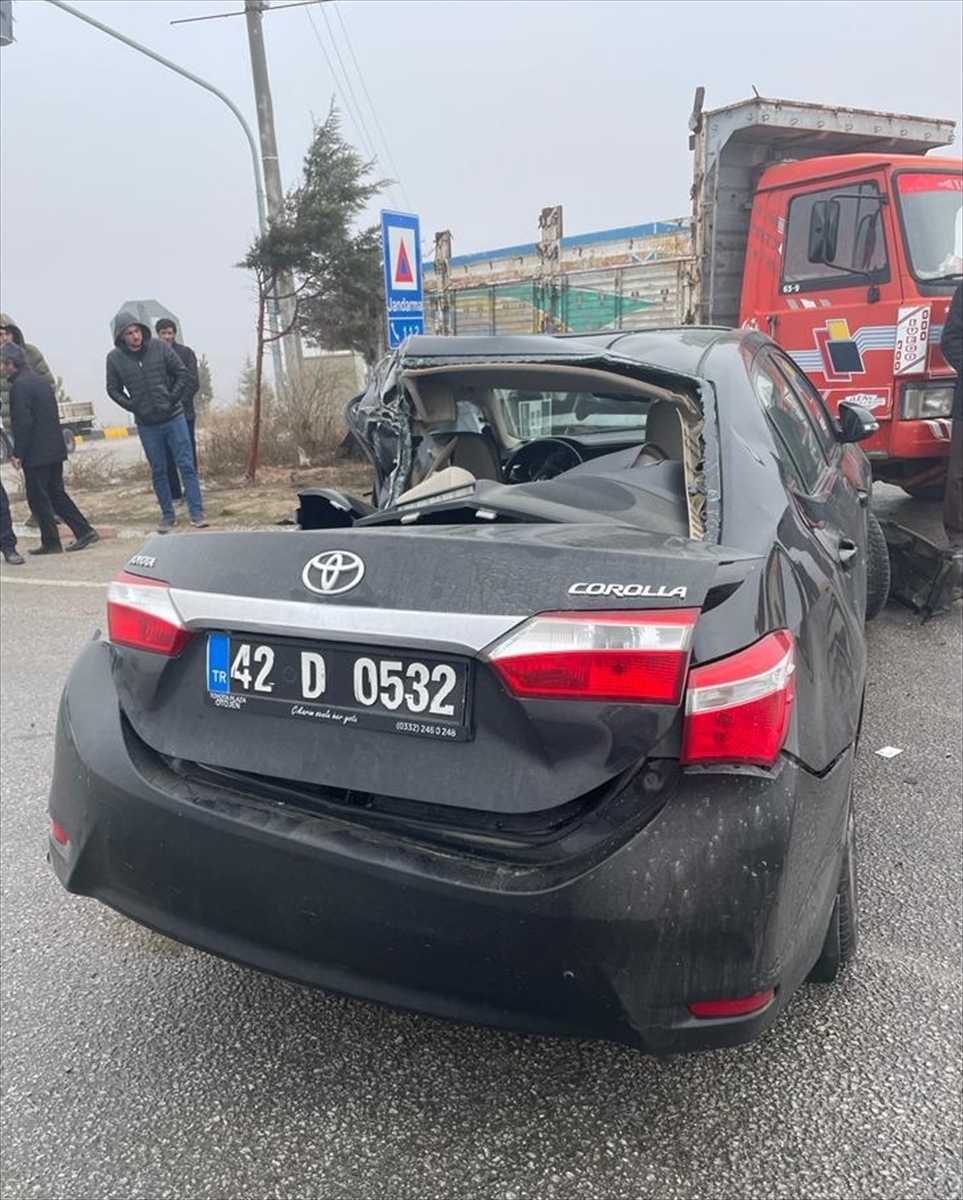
832 229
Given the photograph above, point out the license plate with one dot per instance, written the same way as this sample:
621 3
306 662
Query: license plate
414 694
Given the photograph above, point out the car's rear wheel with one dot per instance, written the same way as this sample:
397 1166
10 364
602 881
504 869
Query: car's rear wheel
842 936
877 568
70 441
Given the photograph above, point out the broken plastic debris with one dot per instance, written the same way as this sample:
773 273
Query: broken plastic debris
889 751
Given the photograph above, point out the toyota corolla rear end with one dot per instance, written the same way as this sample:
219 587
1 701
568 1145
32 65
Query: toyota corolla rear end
510 780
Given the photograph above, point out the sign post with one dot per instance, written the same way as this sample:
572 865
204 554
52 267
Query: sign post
404 300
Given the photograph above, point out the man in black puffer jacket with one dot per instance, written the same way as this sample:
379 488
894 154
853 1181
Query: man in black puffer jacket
146 377
952 346
38 447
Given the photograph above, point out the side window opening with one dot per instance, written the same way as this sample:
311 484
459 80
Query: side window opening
797 444
814 405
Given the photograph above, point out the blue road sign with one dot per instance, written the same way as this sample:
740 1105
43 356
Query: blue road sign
404 301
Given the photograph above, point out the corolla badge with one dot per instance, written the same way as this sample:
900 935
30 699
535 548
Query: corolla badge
333 572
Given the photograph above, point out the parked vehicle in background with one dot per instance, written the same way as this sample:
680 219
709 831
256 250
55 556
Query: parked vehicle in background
560 735
77 417
824 227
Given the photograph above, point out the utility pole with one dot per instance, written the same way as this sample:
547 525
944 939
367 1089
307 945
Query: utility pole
272 176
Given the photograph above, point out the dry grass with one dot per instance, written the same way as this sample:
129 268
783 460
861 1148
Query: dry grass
109 494
129 501
304 427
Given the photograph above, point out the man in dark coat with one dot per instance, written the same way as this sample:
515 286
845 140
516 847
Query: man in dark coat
951 343
11 332
146 377
38 447
167 330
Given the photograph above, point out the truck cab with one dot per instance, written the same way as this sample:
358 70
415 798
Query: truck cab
850 265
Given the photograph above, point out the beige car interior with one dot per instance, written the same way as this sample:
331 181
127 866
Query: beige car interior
672 432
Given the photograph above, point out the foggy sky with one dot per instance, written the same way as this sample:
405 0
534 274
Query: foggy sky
120 179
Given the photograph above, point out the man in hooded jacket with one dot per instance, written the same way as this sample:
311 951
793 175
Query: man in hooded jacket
9 332
146 378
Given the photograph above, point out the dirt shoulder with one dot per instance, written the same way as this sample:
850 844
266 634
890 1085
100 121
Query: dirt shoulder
126 499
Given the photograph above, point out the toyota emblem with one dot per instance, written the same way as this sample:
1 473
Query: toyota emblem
333 572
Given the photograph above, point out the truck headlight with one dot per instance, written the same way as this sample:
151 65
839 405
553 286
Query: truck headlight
922 401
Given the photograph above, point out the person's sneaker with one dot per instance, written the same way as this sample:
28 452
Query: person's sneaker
200 522
166 524
83 542
45 550
13 558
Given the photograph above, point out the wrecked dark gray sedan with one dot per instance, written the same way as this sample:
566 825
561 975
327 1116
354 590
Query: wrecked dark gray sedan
555 730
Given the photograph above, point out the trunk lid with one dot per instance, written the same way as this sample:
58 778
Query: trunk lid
435 597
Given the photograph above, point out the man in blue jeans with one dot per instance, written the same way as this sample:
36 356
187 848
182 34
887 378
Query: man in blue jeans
146 377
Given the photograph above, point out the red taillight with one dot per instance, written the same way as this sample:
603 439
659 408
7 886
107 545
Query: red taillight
620 657
141 614
738 1007
738 709
59 834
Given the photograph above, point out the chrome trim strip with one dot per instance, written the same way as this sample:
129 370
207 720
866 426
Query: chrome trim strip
463 632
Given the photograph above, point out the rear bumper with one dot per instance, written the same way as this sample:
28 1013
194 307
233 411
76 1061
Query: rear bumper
726 892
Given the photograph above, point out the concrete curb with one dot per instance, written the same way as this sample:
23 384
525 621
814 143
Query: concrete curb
112 433
106 532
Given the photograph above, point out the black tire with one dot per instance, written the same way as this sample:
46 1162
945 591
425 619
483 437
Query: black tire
877 568
69 440
6 450
925 491
842 936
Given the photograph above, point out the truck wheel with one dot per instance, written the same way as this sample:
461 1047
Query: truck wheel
6 452
842 936
69 440
925 491
877 568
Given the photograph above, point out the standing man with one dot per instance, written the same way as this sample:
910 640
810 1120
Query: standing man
146 377
166 329
951 343
11 333
38 447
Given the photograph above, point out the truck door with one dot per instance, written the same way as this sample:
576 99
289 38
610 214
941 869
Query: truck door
838 322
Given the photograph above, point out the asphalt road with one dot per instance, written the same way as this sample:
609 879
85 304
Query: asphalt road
135 1067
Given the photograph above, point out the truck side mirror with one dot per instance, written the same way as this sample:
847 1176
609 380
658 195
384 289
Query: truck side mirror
824 231
855 423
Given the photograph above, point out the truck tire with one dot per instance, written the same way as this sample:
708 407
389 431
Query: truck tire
69 440
877 568
6 450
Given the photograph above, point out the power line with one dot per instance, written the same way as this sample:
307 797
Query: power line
359 126
351 105
384 141
347 78
274 8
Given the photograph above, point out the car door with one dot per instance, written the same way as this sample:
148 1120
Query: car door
827 537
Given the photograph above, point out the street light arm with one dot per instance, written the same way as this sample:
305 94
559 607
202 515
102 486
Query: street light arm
259 190
209 87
